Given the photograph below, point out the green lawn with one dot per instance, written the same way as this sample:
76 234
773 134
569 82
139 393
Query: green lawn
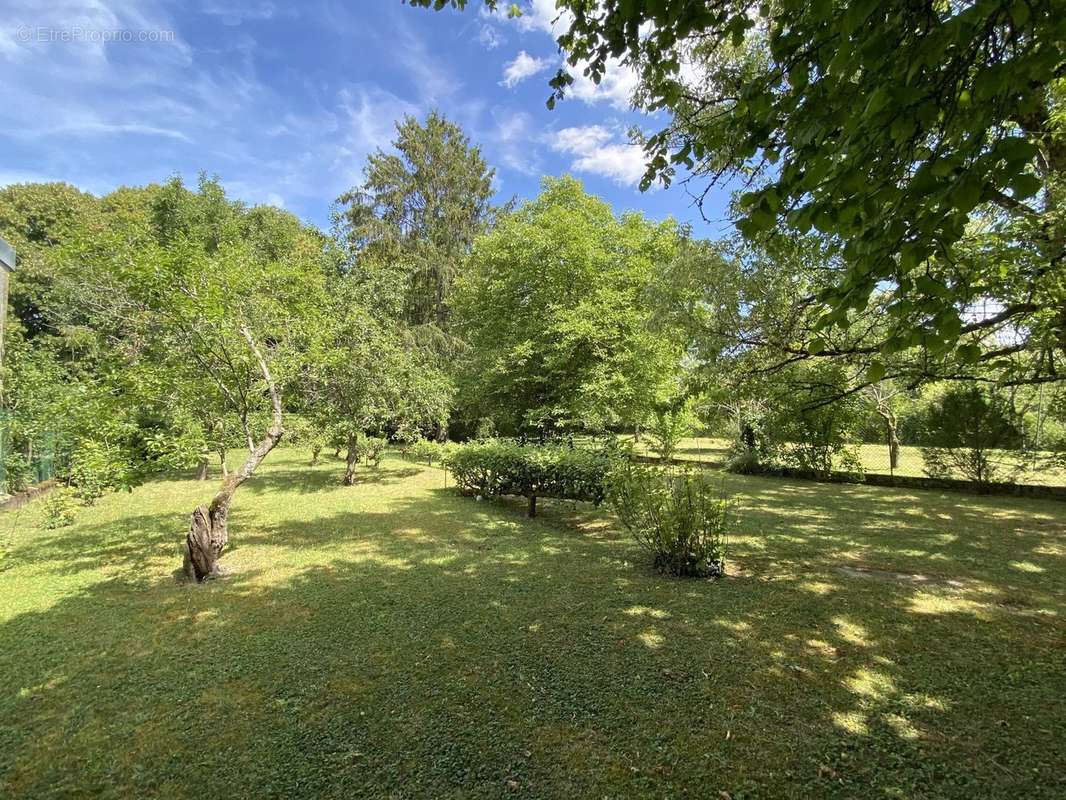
873 457
396 640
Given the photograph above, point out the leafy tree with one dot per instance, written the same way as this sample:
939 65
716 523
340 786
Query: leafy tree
371 377
813 421
410 224
969 430
173 301
926 141
670 423
549 306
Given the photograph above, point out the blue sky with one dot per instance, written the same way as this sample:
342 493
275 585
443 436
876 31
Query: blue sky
283 101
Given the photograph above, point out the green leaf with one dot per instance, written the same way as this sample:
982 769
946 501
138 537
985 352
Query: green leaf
968 353
1025 185
875 372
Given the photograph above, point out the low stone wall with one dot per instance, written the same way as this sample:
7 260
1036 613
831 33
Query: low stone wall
24 497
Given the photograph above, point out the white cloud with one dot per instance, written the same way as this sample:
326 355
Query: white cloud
616 86
372 116
235 13
618 82
542 15
488 36
596 151
524 66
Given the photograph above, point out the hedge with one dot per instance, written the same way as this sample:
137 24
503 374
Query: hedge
496 467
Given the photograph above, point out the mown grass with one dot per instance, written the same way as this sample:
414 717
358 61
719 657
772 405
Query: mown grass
395 640
874 458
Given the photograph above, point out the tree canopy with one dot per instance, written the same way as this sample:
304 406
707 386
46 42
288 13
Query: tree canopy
924 141
550 307
413 220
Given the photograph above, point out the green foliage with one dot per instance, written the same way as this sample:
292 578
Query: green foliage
369 449
300 431
967 431
98 467
669 425
501 467
925 143
551 308
144 316
411 223
884 126
59 508
17 472
369 374
680 518
753 450
425 450
814 420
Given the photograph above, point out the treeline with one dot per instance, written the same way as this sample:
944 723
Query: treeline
169 326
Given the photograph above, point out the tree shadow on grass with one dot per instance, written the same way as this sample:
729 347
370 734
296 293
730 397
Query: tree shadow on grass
325 477
427 645
455 651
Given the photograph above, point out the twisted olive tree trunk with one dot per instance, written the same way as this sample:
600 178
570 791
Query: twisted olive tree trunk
208 533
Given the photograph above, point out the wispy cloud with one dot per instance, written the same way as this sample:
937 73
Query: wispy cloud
487 35
513 141
234 12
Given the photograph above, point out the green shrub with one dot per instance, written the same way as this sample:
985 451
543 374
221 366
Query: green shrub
97 468
425 450
669 425
745 460
970 432
371 448
310 433
18 474
753 450
680 518
496 467
59 508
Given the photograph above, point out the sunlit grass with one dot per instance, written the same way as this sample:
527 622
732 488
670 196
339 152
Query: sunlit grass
393 639
874 458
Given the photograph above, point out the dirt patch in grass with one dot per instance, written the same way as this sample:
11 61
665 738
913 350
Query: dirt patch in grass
914 578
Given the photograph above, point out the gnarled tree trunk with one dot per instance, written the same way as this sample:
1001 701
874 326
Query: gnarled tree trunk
208 533
201 469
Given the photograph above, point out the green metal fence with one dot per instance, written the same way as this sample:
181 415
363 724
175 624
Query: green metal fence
37 458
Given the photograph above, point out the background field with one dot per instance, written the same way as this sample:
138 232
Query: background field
874 459
395 640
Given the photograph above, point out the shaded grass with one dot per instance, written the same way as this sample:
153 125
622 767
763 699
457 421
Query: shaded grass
394 639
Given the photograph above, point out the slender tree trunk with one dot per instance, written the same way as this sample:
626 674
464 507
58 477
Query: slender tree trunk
314 455
349 463
209 532
201 469
893 439
532 505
